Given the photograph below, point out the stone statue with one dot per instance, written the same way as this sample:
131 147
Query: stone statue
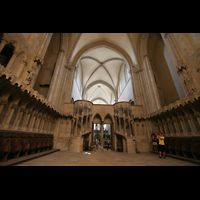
187 79
30 76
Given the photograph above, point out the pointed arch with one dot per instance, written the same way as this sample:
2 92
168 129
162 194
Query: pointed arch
110 116
98 115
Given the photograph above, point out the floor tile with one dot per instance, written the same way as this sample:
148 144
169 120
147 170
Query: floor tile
103 158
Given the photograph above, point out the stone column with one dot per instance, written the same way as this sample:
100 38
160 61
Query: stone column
153 86
82 117
136 84
75 133
17 66
72 127
21 67
62 89
3 102
171 130
102 135
9 114
26 119
132 132
124 128
115 141
160 126
52 93
43 118
129 130
73 67
183 124
165 126
120 125
32 121
191 123
69 84
114 124
86 122
37 122
60 80
19 117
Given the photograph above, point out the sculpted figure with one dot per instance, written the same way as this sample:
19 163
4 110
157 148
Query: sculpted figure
187 79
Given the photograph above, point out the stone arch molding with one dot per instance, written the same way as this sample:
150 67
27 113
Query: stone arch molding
97 113
109 116
102 43
102 116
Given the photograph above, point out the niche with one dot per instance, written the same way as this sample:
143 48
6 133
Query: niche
6 54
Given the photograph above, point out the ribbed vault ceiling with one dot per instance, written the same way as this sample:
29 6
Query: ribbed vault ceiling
100 75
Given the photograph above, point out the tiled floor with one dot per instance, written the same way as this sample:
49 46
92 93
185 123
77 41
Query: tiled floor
103 158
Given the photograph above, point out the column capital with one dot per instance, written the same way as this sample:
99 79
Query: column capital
165 35
14 106
136 70
4 40
3 101
62 50
39 60
25 62
70 66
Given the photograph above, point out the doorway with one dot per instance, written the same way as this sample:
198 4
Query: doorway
97 132
106 136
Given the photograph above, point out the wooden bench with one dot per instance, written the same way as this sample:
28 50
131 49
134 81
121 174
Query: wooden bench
14 144
185 146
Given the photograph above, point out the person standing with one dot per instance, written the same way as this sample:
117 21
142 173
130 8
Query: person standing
161 145
108 143
154 140
97 142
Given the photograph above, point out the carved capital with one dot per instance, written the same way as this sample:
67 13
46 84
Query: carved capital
68 68
25 62
3 40
62 50
3 101
38 60
14 106
165 35
23 109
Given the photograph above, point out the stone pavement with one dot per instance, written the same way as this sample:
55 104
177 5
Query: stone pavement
103 158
